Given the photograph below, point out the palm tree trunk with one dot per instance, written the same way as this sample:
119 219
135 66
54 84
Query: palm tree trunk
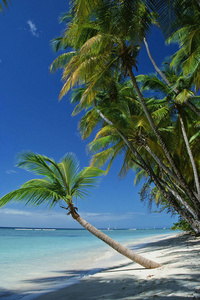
181 200
152 124
194 108
155 65
190 104
162 143
196 177
195 224
148 264
160 163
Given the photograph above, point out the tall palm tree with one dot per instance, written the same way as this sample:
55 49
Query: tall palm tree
115 45
103 45
188 38
125 130
61 183
179 21
177 102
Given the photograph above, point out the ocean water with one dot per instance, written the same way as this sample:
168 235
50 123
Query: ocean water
33 260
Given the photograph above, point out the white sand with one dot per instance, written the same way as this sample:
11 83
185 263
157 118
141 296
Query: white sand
178 278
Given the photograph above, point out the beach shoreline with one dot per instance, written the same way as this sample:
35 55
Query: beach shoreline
120 278
113 276
28 272
178 278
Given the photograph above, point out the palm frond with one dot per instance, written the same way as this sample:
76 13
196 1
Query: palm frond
88 123
100 159
152 82
139 176
61 61
168 11
160 113
36 163
69 167
87 178
61 181
32 195
83 7
101 143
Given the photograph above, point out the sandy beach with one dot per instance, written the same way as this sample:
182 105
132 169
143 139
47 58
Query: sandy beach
178 278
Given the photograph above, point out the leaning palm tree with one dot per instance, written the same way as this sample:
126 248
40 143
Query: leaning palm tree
104 43
61 183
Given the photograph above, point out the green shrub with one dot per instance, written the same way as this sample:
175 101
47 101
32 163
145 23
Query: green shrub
182 225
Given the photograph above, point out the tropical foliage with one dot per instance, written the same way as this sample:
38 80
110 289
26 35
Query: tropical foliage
62 183
182 225
152 120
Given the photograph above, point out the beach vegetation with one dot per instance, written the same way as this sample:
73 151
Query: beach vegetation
152 120
62 184
183 226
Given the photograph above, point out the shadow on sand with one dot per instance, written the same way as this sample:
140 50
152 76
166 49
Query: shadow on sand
124 284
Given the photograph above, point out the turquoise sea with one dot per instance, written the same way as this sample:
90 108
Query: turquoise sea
33 260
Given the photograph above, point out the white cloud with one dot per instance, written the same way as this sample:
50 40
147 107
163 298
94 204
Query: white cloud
12 217
17 212
11 172
46 218
103 219
32 28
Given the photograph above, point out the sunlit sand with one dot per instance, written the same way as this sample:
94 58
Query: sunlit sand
178 278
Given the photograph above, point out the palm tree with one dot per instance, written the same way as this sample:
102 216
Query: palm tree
104 44
177 102
61 183
115 45
189 99
124 129
188 38
179 21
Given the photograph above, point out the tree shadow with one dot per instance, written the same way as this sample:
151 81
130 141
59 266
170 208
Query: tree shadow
127 287
120 283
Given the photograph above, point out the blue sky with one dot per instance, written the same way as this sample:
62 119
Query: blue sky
33 119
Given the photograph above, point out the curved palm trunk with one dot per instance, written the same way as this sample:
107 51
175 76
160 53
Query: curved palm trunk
194 198
193 221
148 264
196 177
191 105
153 126
181 200
160 163
162 143
155 65
195 224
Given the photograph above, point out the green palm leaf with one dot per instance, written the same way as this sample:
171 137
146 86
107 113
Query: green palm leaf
61 60
61 181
